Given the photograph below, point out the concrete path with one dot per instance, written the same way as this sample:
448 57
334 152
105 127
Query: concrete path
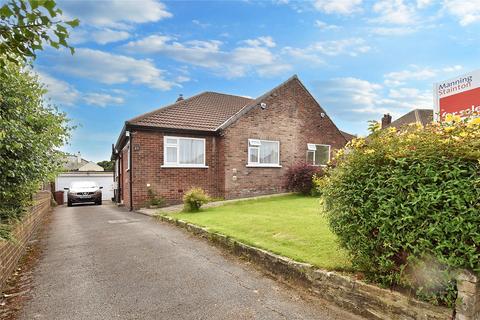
179 207
101 262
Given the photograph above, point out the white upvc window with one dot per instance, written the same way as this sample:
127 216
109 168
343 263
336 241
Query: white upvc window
183 152
318 154
263 153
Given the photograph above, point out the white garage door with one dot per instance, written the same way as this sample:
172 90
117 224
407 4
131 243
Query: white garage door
104 179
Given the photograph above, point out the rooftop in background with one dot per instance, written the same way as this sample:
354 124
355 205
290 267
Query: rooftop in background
347 135
423 116
75 162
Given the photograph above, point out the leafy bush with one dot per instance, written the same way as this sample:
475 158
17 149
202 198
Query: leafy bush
406 205
299 177
194 198
154 199
31 132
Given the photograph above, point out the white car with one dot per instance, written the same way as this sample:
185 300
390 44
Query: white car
84 191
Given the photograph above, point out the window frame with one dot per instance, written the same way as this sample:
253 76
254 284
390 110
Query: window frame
315 153
177 164
257 146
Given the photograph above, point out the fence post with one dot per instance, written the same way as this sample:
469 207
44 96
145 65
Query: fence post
468 299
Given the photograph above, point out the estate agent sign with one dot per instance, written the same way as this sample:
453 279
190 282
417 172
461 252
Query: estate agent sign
457 96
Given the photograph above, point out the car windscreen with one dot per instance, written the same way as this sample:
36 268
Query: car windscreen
83 185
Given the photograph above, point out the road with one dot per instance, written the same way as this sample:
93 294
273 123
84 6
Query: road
102 262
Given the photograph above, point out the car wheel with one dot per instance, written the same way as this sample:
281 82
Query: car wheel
98 203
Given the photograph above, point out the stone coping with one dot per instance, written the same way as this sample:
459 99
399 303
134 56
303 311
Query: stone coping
356 296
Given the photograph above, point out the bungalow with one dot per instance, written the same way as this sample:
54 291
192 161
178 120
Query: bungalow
231 146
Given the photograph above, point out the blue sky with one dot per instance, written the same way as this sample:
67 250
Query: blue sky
360 59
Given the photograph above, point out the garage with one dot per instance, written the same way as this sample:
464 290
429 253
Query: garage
103 179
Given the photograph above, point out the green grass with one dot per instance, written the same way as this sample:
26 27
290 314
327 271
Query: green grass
292 226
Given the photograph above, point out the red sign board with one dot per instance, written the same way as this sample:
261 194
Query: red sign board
458 96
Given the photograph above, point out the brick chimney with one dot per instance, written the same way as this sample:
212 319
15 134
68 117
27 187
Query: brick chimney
386 120
180 97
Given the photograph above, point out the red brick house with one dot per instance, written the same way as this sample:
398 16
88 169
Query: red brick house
231 146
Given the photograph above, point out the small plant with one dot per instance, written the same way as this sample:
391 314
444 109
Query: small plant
153 199
299 178
194 198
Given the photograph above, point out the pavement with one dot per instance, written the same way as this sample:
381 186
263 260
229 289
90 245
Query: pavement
103 262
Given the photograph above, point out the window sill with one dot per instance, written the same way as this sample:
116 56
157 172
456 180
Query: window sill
184 167
263 166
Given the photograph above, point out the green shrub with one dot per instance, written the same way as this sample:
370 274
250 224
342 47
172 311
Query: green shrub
299 177
194 198
154 199
406 205
31 132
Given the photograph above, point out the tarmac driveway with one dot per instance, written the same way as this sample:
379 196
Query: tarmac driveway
102 262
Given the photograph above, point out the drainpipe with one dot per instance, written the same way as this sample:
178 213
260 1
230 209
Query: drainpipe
130 165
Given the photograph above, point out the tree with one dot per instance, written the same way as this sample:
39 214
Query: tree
31 131
25 26
107 165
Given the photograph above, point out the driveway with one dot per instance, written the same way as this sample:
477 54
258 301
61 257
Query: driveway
102 262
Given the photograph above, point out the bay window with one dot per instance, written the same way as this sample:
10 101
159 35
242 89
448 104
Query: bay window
318 154
183 152
263 153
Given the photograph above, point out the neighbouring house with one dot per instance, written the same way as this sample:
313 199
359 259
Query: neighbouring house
422 116
76 168
231 146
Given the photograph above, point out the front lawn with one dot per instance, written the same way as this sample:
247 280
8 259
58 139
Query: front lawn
292 226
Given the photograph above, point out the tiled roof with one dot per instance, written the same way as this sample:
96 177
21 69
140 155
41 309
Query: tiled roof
423 116
206 112
347 135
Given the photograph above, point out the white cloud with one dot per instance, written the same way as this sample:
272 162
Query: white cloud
115 13
393 31
318 50
59 91
251 56
108 35
110 68
467 12
261 41
354 99
398 78
274 69
423 3
344 7
63 93
102 99
394 12
325 26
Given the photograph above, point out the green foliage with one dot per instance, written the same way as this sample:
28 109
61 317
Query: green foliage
194 198
406 205
107 165
154 199
30 132
299 178
292 225
25 26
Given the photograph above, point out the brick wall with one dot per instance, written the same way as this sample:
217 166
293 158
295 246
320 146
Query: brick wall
171 183
292 117
12 251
